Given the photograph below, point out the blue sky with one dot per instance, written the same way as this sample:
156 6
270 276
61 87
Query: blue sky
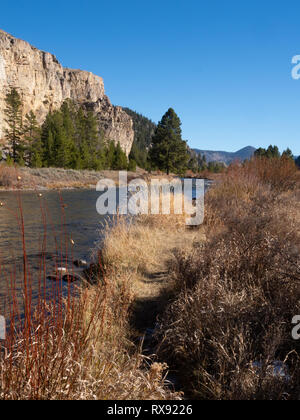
224 66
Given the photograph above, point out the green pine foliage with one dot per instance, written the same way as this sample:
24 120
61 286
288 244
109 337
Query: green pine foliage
168 152
270 152
32 140
69 138
132 165
216 167
288 154
197 162
144 130
13 134
120 159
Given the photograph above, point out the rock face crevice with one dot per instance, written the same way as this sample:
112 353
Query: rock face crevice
44 84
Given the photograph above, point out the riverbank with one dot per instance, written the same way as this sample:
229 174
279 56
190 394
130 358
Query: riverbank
227 329
88 346
39 179
29 179
213 303
85 349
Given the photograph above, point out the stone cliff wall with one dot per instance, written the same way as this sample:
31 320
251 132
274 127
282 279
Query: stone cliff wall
44 84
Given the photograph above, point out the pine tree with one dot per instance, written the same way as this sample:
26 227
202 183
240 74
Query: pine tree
32 136
110 155
120 159
13 133
270 152
169 152
143 132
58 141
71 139
87 141
132 165
287 154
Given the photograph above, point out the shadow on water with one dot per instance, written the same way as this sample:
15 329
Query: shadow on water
59 229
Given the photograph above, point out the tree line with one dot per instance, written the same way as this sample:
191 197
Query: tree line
273 152
69 138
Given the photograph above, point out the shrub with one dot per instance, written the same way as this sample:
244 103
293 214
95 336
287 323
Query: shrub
7 176
229 324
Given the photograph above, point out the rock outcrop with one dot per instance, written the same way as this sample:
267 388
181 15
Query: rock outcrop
44 84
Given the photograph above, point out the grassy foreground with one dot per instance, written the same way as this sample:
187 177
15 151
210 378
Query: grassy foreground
221 298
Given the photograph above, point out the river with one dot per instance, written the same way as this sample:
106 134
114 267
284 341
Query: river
60 228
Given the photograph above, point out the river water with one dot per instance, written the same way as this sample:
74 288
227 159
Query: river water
60 227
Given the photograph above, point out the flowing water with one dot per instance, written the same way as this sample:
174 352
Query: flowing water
59 229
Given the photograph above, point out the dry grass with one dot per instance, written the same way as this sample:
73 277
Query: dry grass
7 176
81 348
88 356
139 250
233 288
238 292
58 178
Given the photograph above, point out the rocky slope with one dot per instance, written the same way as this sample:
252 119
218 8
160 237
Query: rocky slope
44 84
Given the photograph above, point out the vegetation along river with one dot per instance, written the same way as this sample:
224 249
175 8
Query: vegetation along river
60 228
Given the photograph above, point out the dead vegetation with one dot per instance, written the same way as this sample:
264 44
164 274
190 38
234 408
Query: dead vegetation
81 348
225 294
56 178
7 176
228 331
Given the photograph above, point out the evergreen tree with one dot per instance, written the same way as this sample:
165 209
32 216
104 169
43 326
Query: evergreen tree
143 132
109 154
120 159
56 144
132 165
216 167
169 152
32 136
13 133
202 163
271 152
298 161
48 157
70 138
287 154
193 161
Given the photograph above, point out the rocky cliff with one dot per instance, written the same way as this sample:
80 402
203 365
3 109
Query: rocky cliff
44 84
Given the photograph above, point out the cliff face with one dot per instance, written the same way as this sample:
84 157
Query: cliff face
44 84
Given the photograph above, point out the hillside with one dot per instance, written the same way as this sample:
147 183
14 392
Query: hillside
227 157
143 131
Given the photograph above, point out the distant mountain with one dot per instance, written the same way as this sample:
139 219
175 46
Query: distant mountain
227 157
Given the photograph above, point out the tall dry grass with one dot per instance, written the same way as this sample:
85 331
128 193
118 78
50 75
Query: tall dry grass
7 176
228 331
77 346
85 356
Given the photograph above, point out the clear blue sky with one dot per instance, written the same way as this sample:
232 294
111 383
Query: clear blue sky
224 66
